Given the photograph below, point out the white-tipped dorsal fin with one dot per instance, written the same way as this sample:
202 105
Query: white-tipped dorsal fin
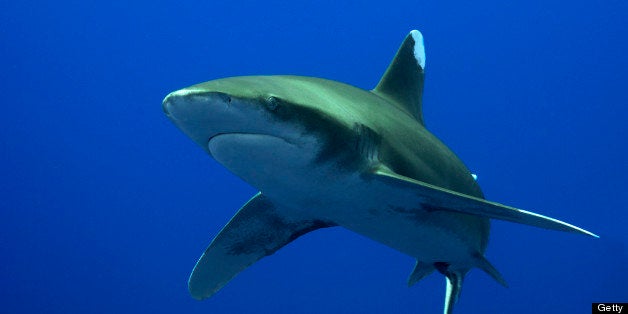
419 48
403 81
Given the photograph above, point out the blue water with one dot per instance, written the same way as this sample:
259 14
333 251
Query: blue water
105 206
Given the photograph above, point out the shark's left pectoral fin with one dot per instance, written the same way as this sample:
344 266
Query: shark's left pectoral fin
258 229
433 197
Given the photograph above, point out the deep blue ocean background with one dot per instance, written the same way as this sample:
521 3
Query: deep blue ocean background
105 206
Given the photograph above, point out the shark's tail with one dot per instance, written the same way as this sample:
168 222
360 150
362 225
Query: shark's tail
454 284
454 277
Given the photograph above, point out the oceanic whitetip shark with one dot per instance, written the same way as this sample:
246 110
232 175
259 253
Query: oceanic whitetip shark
323 153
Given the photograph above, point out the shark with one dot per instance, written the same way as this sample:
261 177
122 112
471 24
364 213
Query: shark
324 154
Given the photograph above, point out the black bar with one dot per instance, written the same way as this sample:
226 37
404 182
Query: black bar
609 308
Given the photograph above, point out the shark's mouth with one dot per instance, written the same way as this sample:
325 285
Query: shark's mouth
244 135
257 158
262 137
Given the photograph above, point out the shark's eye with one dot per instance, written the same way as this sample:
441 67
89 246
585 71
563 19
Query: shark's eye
222 97
272 103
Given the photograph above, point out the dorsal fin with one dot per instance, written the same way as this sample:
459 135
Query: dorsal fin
403 81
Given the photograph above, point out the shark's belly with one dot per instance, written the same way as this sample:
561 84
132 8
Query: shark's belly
367 209
429 237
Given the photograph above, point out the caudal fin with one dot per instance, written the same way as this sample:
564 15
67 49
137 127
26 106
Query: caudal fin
454 277
454 284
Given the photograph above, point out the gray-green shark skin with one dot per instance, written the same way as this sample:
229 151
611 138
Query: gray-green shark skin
323 154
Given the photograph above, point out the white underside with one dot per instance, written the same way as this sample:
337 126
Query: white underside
367 209
281 170
322 192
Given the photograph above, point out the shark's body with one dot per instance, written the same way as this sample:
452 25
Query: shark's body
323 153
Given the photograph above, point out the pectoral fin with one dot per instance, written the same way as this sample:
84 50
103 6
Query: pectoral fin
258 229
437 198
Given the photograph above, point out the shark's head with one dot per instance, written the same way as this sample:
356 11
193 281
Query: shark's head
260 128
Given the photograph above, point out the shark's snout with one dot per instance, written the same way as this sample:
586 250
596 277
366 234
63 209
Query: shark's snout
202 114
194 105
